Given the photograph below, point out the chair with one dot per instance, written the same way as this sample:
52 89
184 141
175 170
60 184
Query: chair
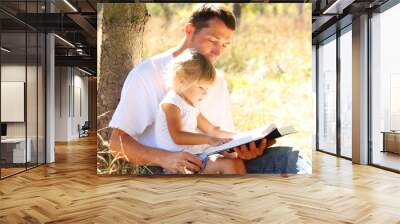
84 130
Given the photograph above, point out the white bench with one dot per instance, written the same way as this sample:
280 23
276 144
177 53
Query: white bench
18 150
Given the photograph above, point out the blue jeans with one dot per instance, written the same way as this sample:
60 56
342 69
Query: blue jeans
280 159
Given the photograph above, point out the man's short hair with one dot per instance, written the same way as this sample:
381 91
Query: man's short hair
206 12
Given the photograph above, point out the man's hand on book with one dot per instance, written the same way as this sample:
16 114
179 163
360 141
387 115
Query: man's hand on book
246 153
181 162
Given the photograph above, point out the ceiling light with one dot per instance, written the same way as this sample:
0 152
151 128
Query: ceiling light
86 72
70 5
64 40
337 7
5 50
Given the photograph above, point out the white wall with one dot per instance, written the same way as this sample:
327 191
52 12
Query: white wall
71 94
61 103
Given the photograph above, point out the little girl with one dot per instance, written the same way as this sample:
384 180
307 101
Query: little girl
179 124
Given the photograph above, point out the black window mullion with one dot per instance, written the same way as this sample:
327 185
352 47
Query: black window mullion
37 90
26 87
45 93
73 92
369 96
338 77
317 95
0 96
44 78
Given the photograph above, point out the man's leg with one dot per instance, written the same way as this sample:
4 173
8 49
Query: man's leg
222 165
279 159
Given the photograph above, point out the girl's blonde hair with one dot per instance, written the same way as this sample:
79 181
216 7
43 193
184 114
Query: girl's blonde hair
191 68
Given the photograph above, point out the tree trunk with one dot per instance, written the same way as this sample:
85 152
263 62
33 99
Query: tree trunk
300 10
122 27
275 9
237 11
261 9
166 7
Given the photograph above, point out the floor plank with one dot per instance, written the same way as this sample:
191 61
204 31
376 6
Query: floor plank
69 191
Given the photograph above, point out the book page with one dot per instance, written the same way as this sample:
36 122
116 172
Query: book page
242 138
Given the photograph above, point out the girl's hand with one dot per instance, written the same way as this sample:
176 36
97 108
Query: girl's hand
217 141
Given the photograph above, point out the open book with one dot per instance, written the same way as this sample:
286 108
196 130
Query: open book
269 132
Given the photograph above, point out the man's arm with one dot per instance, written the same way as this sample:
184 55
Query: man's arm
124 146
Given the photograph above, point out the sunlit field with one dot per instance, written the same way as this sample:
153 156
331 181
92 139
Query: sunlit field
267 66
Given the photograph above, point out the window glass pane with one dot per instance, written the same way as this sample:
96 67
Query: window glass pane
15 151
345 94
386 88
22 87
41 98
31 97
327 97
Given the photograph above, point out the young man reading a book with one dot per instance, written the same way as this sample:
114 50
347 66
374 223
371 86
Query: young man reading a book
209 30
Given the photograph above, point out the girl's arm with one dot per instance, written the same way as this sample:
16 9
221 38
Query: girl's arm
173 117
205 126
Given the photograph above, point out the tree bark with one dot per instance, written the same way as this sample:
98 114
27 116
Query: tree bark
237 11
166 7
121 49
275 9
300 10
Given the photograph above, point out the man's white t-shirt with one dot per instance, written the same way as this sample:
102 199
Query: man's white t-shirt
145 87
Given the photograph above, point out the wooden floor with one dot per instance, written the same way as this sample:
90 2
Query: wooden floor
10 171
69 191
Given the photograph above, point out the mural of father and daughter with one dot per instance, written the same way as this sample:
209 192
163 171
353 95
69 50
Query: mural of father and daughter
175 106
